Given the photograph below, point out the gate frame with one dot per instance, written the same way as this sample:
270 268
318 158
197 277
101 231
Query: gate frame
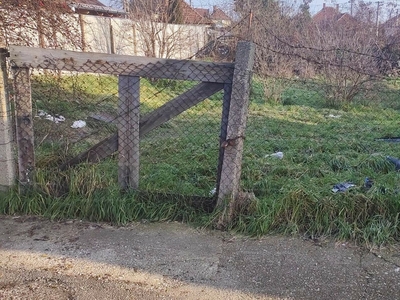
233 78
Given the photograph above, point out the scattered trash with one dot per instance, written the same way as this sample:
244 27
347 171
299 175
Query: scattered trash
389 139
213 191
78 124
383 190
56 118
368 183
342 187
276 154
334 116
395 161
42 113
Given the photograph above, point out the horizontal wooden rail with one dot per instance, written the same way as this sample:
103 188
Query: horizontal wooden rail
29 57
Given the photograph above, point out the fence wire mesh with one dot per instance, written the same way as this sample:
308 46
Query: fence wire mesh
323 113
147 132
183 150
323 85
329 68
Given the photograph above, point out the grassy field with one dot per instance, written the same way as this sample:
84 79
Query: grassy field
322 146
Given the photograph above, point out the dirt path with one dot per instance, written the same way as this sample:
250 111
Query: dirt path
40 259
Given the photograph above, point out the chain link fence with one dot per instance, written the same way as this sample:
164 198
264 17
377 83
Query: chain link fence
84 106
314 150
88 122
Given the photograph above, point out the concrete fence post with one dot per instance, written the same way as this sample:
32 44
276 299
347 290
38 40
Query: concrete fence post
24 126
7 162
232 143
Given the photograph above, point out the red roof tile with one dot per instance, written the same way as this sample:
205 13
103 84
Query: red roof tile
392 22
194 15
219 14
327 14
333 15
204 12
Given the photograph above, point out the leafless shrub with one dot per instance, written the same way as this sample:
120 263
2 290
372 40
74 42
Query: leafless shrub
155 24
346 54
44 23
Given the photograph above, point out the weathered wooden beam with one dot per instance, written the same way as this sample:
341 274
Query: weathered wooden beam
229 181
150 121
121 64
24 125
128 131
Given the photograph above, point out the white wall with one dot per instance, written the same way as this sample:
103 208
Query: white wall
127 36
182 41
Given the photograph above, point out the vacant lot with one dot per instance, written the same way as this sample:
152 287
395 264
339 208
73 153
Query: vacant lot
321 146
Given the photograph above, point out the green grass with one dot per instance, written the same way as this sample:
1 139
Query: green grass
322 146
104 205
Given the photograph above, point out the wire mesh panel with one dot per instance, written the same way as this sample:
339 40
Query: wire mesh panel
72 112
160 119
180 156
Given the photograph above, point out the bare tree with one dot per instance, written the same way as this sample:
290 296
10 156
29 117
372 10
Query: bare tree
351 54
272 28
346 59
344 53
44 23
154 21
364 12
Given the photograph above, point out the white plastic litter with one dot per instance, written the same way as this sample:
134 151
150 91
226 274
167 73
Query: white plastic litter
56 118
42 113
78 124
213 191
334 116
276 154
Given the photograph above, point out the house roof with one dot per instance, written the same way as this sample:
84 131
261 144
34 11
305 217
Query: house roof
219 14
204 12
391 27
332 15
392 22
347 19
195 15
327 14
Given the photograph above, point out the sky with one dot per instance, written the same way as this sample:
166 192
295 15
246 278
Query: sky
315 5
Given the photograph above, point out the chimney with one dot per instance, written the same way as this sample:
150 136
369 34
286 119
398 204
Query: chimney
337 7
323 5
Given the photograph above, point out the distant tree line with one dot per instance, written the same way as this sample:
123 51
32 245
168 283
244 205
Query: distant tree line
350 53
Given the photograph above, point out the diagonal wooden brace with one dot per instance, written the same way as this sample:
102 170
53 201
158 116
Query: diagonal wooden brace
149 122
